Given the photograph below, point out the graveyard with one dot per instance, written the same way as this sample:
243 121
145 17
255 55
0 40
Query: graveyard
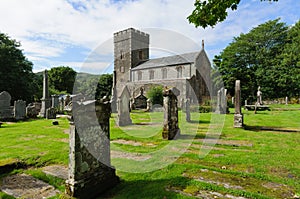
257 161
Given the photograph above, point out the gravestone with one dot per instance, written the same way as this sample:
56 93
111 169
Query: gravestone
51 113
238 116
286 100
123 118
6 111
149 105
61 105
46 103
170 130
19 110
187 110
37 106
140 101
31 111
55 101
221 101
90 170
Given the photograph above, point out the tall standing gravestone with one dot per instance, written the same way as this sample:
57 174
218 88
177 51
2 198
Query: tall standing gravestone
45 100
238 116
90 170
55 101
170 129
221 101
5 109
19 109
123 118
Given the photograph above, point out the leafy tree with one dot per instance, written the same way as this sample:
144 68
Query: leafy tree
155 95
289 67
15 70
104 86
211 12
252 58
62 79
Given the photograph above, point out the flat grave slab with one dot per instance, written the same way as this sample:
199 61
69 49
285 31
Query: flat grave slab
27 187
59 171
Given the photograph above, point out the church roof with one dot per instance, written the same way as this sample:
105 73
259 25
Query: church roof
168 61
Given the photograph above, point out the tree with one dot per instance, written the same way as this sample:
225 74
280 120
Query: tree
252 58
211 12
155 95
289 66
62 79
15 70
104 86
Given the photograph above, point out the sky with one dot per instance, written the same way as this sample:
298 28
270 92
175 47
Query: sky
78 33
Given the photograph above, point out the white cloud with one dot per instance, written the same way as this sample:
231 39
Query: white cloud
47 28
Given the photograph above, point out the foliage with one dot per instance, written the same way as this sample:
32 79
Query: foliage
155 95
211 12
62 78
253 58
94 86
104 86
15 70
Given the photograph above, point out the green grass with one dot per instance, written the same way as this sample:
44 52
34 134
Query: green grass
263 163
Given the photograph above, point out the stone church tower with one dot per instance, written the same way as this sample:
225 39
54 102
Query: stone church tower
131 47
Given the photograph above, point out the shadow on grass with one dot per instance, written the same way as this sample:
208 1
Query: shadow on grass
269 128
146 189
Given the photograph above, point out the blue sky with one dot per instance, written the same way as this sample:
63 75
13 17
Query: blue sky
78 33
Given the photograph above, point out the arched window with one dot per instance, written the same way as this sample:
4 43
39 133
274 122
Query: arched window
164 73
151 74
179 71
140 75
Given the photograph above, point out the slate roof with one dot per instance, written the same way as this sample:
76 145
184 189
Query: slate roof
168 61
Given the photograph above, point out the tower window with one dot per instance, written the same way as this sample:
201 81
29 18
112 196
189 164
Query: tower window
122 69
121 54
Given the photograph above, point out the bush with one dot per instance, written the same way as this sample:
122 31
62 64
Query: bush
155 95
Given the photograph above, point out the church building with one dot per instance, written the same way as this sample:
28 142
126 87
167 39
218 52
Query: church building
188 72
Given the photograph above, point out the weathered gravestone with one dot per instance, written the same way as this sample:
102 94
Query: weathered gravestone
90 170
123 118
149 105
31 111
55 101
140 101
238 116
19 109
61 105
51 113
170 130
221 101
6 111
45 100
187 110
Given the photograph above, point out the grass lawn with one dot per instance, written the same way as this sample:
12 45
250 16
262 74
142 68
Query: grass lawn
259 161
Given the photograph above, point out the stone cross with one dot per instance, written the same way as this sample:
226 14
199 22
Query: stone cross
90 170
170 130
238 116
45 100
123 102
